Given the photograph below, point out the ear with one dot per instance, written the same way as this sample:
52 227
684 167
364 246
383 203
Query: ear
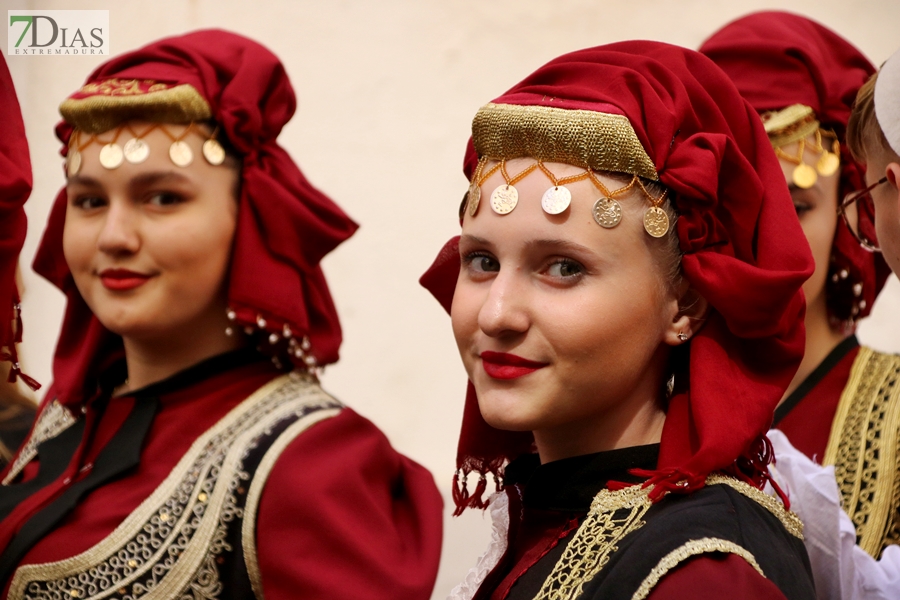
689 318
892 171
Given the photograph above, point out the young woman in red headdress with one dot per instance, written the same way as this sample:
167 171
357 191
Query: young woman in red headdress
185 448
803 79
625 295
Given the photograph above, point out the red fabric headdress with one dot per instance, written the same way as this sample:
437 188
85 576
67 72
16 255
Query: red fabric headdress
743 251
285 225
778 59
15 187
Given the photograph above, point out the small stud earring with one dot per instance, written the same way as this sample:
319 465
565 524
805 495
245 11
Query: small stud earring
683 336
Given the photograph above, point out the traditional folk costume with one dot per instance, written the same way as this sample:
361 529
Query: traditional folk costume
802 78
237 477
684 518
15 187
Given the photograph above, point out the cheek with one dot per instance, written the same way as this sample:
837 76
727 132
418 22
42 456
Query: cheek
78 245
464 312
198 250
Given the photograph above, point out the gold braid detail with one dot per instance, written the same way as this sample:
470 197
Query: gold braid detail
690 550
864 447
615 514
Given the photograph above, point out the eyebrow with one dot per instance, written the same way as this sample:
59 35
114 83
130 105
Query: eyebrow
555 244
138 181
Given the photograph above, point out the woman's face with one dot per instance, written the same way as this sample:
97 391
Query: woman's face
564 326
149 244
817 210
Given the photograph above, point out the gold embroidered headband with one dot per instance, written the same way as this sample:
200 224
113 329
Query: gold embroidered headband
591 140
795 124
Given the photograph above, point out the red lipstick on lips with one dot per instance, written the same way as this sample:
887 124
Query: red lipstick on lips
501 365
122 279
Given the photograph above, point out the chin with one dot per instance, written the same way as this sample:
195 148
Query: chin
500 415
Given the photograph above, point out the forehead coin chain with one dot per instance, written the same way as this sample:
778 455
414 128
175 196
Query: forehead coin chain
557 198
137 150
805 176
607 211
656 221
505 196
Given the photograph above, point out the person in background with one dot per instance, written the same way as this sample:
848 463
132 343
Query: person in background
625 296
802 78
16 410
185 448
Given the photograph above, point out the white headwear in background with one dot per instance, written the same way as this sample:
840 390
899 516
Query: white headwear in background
887 100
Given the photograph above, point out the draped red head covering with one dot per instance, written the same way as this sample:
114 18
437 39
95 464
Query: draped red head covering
743 251
285 225
15 187
779 59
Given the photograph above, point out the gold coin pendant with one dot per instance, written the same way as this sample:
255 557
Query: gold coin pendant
656 221
474 198
136 151
74 162
213 152
827 164
607 212
504 199
180 154
556 200
111 156
804 176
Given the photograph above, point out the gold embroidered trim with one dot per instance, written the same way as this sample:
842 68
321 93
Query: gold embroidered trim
689 550
615 514
96 114
788 518
166 548
612 516
584 138
248 526
863 447
52 421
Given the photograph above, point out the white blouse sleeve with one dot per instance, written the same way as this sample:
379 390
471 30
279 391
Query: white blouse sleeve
841 570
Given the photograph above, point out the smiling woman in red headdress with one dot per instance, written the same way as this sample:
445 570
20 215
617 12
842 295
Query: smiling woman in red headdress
625 295
185 447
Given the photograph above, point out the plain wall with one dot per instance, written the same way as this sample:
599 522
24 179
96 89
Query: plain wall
387 91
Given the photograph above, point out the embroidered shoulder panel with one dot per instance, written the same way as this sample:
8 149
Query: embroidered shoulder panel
171 546
52 421
615 514
864 447
690 550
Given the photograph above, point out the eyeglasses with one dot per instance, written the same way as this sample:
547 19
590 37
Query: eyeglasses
858 212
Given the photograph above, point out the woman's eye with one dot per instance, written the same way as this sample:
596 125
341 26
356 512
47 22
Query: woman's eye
483 263
164 199
89 202
565 268
801 208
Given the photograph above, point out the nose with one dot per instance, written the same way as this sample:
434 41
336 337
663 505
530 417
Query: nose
506 310
119 234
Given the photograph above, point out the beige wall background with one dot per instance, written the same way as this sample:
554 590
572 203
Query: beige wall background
387 91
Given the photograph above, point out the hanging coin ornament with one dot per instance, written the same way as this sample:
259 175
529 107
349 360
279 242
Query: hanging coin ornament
827 164
180 153
136 151
556 200
74 162
111 156
656 221
804 176
504 199
213 152
474 198
607 212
